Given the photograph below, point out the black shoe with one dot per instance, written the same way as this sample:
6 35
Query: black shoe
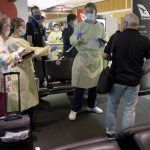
111 136
35 129
71 93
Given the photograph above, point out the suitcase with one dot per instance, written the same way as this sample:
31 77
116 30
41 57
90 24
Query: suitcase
2 104
15 122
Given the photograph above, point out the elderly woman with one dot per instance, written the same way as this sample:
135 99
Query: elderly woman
88 38
6 58
29 93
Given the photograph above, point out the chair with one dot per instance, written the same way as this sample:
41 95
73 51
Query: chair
125 137
142 139
145 85
39 73
58 75
91 144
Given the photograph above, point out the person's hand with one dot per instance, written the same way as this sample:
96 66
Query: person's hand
53 47
101 42
79 35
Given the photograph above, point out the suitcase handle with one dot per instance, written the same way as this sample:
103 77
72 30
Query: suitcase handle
11 73
5 94
12 117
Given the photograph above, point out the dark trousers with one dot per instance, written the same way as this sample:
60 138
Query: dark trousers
30 112
78 97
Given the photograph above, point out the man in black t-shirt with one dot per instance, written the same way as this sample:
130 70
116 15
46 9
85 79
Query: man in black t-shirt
34 29
130 50
35 34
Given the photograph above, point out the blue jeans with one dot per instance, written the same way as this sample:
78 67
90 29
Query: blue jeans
130 96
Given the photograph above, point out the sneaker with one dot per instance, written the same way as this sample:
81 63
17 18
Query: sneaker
95 109
72 115
110 136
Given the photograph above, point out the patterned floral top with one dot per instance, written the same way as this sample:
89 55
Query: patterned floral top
5 58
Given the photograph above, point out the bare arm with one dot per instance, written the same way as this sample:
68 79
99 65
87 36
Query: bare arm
105 56
146 66
29 39
43 38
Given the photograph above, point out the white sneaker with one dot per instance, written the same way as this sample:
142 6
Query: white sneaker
95 109
72 115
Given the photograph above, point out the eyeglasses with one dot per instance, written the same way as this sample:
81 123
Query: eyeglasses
6 24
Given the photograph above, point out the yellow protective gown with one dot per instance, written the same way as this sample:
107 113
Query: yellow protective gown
28 87
56 38
88 63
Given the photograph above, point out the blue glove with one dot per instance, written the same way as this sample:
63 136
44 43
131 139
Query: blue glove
53 47
101 42
79 35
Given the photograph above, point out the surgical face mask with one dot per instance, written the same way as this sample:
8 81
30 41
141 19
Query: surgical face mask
56 29
22 32
6 34
90 16
37 17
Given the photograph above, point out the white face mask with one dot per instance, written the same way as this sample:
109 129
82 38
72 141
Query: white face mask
22 32
6 34
56 29
90 16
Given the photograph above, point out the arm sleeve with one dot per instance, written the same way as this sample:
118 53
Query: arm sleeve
147 54
38 51
66 36
109 44
73 38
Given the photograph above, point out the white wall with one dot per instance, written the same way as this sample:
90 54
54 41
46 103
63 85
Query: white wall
22 9
111 25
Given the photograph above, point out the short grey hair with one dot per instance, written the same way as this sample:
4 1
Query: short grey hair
132 19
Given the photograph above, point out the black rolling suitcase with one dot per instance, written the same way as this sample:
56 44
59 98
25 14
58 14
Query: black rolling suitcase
15 133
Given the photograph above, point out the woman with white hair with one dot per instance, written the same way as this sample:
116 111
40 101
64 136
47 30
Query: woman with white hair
7 59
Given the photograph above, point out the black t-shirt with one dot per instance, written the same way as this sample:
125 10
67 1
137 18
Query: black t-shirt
36 31
128 56
66 42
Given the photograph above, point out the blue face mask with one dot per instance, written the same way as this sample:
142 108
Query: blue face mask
37 17
90 16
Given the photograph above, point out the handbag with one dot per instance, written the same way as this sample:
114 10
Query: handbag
105 81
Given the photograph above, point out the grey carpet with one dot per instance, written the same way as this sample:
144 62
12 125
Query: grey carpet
57 130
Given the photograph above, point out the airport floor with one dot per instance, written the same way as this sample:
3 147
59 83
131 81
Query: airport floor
57 130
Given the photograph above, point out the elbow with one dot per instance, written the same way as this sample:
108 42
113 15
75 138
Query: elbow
105 56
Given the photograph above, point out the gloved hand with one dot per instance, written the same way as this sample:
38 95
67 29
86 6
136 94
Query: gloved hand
101 42
79 35
53 47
